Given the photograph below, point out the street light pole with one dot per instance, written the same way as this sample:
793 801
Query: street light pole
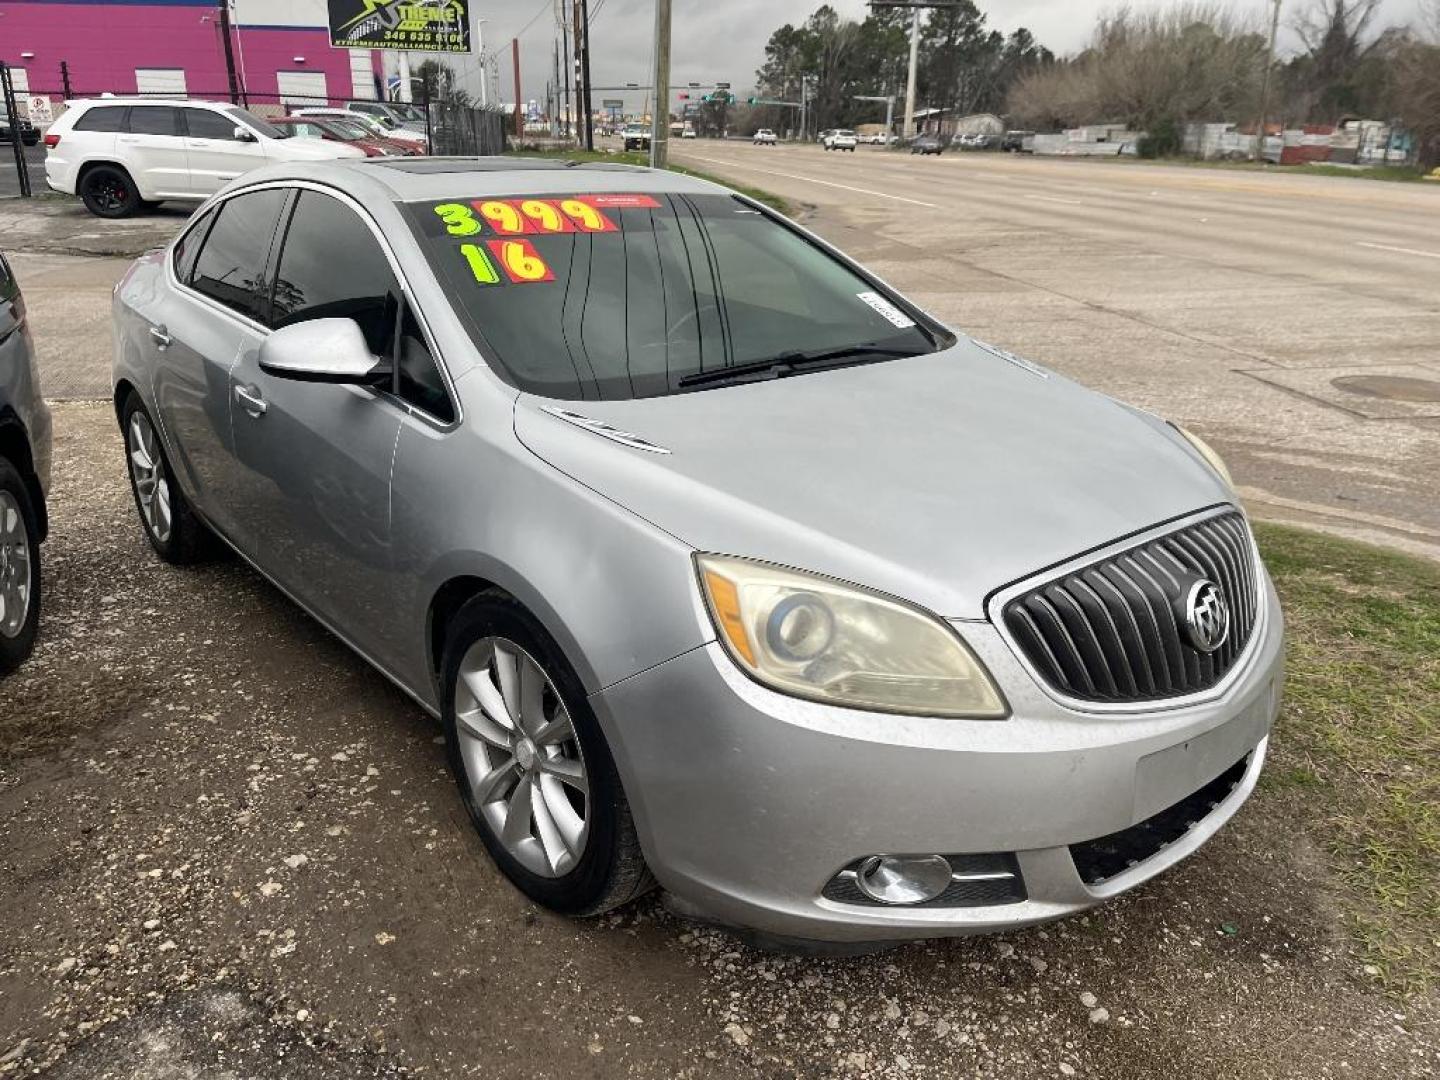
1265 84
910 78
660 115
915 6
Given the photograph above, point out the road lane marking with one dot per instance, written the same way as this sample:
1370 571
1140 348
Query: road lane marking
814 180
1056 198
1401 250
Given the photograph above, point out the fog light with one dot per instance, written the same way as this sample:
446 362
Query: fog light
903 879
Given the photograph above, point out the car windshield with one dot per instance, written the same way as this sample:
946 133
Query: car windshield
613 296
347 129
407 112
264 127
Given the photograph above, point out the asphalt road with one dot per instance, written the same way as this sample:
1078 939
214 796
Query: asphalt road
9 177
1228 301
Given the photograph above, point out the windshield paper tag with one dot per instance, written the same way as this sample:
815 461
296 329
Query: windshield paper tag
888 311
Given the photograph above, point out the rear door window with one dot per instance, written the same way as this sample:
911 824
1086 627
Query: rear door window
102 118
153 120
231 266
187 248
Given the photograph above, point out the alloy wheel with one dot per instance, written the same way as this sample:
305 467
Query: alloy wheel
14 567
109 194
147 471
523 762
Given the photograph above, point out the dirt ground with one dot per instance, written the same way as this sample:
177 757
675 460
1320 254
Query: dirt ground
228 848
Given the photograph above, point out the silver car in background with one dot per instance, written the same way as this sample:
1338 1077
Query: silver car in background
24 477
724 565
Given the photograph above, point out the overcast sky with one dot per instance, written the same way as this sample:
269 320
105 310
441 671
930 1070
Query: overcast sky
724 40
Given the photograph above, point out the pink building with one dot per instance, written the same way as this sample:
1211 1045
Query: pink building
281 50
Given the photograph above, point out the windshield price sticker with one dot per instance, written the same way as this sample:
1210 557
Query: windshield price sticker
521 262
518 217
621 202
888 311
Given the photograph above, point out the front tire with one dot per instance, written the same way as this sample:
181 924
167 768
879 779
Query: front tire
532 765
19 569
176 534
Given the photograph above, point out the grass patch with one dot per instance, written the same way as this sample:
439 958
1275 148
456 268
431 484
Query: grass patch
1357 746
1390 173
620 157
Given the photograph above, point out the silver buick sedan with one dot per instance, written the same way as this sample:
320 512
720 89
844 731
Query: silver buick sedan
724 565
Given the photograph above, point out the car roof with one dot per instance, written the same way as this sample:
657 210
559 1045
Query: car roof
421 179
173 102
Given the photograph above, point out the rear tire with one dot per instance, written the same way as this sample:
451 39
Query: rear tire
608 868
19 569
108 192
176 534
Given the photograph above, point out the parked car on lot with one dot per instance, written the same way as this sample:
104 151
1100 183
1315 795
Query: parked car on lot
121 155
1001 652
636 136
973 140
926 144
377 126
24 477
1012 142
877 138
29 133
764 137
391 114
840 139
348 132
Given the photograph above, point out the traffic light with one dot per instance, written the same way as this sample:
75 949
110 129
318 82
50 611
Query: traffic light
684 96
750 101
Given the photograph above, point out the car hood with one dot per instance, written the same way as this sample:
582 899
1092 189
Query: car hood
308 148
937 478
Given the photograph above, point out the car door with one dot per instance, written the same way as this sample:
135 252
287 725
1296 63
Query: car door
315 458
152 147
216 156
199 329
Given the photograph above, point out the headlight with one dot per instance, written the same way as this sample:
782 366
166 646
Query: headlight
812 637
1206 451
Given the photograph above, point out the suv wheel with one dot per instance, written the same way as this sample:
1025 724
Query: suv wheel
108 192
19 569
172 528
532 765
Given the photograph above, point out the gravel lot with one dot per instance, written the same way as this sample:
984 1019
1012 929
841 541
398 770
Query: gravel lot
231 849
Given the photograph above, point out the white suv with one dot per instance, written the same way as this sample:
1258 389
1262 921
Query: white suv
842 139
122 154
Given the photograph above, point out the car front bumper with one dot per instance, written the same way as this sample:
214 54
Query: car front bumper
749 802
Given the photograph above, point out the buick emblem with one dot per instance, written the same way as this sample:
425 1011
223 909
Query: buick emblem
1207 616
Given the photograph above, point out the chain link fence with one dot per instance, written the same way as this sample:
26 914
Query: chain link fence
450 128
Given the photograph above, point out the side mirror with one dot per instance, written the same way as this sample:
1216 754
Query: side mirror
243 134
321 350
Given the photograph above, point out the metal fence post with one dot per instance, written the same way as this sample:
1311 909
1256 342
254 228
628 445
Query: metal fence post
12 114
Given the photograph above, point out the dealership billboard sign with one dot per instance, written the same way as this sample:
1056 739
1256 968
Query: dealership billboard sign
411 25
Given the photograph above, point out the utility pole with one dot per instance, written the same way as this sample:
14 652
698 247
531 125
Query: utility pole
585 73
565 63
555 106
915 6
1265 84
660 115
519 112
889 110
224 13
65 79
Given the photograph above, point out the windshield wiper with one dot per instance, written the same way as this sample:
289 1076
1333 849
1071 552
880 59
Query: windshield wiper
788 363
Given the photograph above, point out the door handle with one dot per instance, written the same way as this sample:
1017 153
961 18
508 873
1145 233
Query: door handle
159 336
250 401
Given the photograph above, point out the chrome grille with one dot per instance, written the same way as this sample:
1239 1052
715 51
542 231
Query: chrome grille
1115 630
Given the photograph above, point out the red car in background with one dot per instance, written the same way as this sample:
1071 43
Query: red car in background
339 130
